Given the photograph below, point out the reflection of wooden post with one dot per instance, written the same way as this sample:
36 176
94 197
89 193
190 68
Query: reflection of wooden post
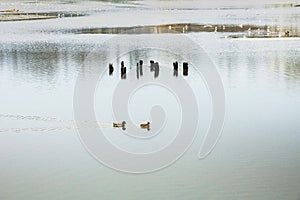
123 70
111 69
141 67
137 71
175 70
151 65
185 69
156 70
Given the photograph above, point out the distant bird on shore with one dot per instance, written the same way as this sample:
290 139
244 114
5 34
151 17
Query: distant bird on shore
287 34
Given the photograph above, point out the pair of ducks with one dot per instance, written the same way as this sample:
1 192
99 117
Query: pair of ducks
123 124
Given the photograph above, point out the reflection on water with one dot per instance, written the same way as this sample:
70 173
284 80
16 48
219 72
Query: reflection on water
48 67
266 64
154 67
260 136
258 155
41 67
139 69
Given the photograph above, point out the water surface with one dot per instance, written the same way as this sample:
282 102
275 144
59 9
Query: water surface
257 157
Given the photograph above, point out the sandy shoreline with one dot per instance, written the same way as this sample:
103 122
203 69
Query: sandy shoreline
19 17
34 16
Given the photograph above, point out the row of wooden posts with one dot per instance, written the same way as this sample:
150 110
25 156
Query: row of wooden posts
154 67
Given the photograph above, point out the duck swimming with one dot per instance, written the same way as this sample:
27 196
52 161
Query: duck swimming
120 125
145 126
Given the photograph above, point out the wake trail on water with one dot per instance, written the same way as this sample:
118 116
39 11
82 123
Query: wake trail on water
67 124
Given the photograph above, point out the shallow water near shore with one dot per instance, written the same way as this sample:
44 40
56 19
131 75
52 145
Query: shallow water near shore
258 154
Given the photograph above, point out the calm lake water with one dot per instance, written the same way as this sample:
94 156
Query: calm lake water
42 156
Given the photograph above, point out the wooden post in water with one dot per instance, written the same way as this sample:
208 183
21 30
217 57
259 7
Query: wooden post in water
123 70
111 69
185 69
151 65
175 69
141 67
